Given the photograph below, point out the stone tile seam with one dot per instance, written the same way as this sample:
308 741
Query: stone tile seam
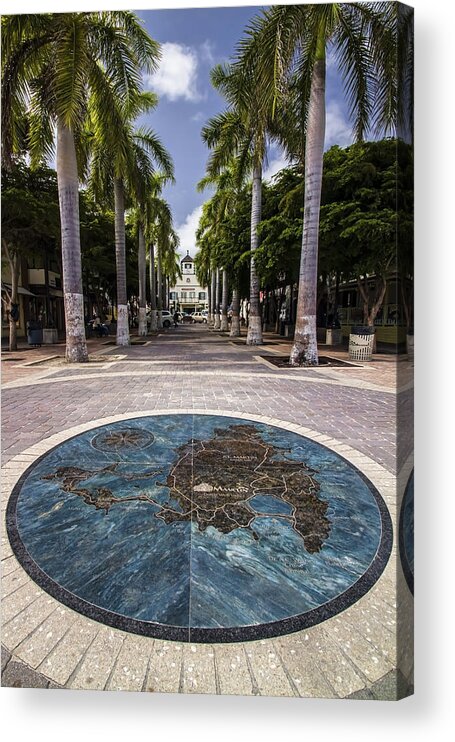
254 684
147 670
81 659
36 626
114 666
351 383
338 647
36 630
286 672
19 661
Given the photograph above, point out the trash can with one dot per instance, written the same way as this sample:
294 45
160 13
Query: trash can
289 330
34 333
50 336
361 343
333 336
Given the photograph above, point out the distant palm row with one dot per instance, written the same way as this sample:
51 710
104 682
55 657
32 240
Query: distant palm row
75 79
275 90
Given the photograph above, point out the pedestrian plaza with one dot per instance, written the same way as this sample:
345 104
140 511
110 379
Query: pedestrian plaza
152 536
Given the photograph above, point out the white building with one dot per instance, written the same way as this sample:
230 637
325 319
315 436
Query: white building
187 295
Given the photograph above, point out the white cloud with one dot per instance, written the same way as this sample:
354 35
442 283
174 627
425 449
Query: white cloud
187 232
176 76
337 129
198 117
274 166
207 49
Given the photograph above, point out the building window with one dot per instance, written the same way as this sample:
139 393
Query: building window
188 266
173 295
201 295
36 262
188 280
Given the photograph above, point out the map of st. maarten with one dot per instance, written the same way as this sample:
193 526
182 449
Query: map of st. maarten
214 481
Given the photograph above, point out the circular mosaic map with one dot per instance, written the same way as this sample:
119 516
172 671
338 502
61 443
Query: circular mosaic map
199 528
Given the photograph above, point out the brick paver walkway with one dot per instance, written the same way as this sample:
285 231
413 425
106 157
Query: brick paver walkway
352 410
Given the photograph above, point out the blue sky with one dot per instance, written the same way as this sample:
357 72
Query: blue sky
193 40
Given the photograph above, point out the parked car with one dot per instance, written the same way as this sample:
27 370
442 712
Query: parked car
167 318
199 317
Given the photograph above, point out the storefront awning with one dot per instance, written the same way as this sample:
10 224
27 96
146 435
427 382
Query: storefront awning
20 289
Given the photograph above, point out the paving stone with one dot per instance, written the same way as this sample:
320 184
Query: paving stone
14 580
269 674
15 602
233 675
65 657
9 564
165 668
98 663
198 672
333 664
132 664
6 656
18 675
27 621
303 669
368 658
35 648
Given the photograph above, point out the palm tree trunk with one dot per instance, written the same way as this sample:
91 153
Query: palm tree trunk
68 195
224 302
12 302
304 351
217 323
159 297
142 280
153 311
213 293
235 319
254 334
123 332
209 298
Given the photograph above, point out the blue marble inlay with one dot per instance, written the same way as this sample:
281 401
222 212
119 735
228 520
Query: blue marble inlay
197 521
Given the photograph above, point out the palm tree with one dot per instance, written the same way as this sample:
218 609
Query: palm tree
163 243
204 276
160 220
217 318
138 219
221 205
52 64
241 132
207 237
147 186
123 164
287 46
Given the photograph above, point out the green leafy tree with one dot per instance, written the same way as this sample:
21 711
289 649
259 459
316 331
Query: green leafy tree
53 63
241 132
30 225
122 167
366 215
288 49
